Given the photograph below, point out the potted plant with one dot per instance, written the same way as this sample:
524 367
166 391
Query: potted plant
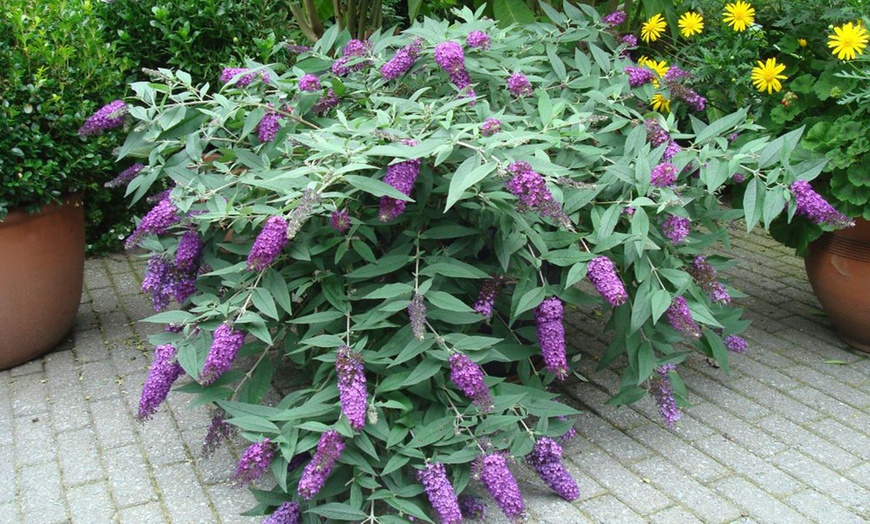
394 205
797 69
60 70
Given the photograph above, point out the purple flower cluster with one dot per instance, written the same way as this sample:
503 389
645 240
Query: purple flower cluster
676 229
440 493
450 58
468 377
224 348
287 513
254 462
314 476
675 73
247 76
110 116
472 507
811 205
671 150
339 220
706 278
663 175
268 126
638 76
519 85
478 39
738 178
531 190
602 273
655 134
568 435
351 386
157 221
551 336
326 103
486 299
501 484
735 344
188 254
417 316
402 61
309 83
629 39
354 48
490 126
125 176
680 318
615 18
296 49
164 280
401 176
268 244
679 91
164 370
218 430
663 393
546 460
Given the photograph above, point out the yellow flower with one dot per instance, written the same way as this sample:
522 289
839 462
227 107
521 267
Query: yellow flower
766 76
739 15
660 103
691 24
802 42
660 68
653 28
642 60
847 40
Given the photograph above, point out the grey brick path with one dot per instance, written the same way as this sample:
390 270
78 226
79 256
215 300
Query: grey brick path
785 438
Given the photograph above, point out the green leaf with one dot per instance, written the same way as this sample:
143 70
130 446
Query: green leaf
453 269
338 511
254 424
661 301
467 174
423 371
317 318
175 316
627 395
376 187
753 202
396 461
390 291
642 307
443 300
720 352
720 126
277 286
509 12
530 299
264 302
385 265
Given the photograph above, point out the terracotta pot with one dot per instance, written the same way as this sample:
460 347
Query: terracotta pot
41 270
838 267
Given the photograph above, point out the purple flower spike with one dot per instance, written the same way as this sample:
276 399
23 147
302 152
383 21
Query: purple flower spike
164 371
326 103
287 513
546 460
532 191
449 57
401 176
245 80
680 318
417 316
519 85
472 507
254 462
735 344
222 353
602 273
402 61
159 281
188 254
268 126
110 116
314 476
671 150
705 276
352 49
125 176
551 336
351 386
663 175
676 229
468 377
157 222
663 393
811 205
478 39
490 127
629 39
615 18
501 484
655 134
339 220
268 244
440 493
309 83
486 298
218 431
638 76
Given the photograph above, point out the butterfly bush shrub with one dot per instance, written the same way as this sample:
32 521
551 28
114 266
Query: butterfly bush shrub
407 239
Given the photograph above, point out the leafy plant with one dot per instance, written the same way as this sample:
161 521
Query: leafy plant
403 226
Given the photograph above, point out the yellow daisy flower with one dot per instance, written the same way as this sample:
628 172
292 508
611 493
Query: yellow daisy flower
660 103
642 60
660 68
739 15
766 76
653 28
847 40
691 24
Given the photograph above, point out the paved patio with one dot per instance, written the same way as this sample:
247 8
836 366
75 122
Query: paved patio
784 438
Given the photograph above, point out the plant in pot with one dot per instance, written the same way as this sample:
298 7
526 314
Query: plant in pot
379 220
797 69
61 69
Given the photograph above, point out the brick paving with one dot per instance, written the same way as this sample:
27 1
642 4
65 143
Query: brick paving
784 438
